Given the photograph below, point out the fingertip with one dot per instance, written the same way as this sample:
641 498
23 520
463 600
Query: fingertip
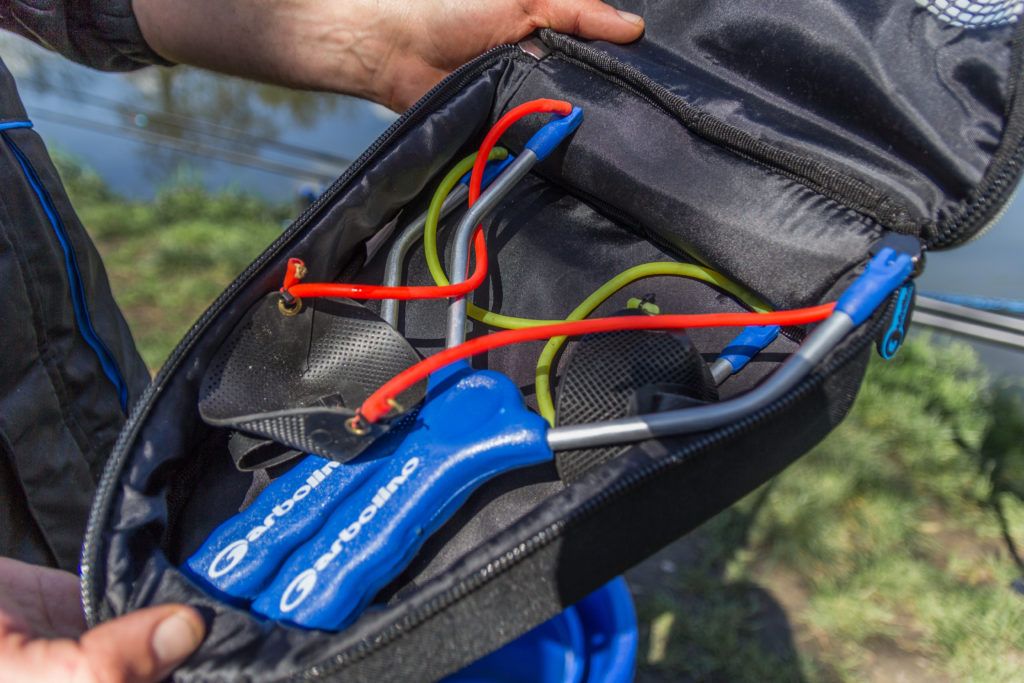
630 18
177 636
603 22
145 645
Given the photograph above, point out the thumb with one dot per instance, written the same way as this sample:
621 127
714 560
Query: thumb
143 646
591 19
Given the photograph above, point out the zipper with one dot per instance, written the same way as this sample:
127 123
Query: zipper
986 210
106 488
79 303
998 190
991 222
978 216
622 486
847 190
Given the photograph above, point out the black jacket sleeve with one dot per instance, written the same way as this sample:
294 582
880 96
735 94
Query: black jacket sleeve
102 34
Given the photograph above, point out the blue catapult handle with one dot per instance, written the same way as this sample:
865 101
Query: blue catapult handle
242 555
386 503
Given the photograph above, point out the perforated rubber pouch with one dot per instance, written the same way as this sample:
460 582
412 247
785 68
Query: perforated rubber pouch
617 374
297 379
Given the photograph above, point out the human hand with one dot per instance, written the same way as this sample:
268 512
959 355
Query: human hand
427 40
43 635
388 51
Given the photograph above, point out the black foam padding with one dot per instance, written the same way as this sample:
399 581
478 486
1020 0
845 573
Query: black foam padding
609 373
297 379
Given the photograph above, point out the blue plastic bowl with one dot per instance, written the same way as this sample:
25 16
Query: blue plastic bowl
594 641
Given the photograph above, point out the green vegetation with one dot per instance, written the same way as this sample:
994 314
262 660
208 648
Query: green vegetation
885 554
888 548
168 259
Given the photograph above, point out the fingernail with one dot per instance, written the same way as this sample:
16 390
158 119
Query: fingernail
630 17
176 637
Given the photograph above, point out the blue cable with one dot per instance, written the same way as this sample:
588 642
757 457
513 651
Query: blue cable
984 303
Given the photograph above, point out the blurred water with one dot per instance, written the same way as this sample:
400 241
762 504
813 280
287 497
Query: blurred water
143 129
988 266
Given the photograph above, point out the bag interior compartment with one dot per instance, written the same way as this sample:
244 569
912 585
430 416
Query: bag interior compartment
617 194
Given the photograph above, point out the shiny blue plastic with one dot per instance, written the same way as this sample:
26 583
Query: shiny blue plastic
610 633
491 171
893 338
747 344
593 641
553 132
472 426
242 555
550 653
886 271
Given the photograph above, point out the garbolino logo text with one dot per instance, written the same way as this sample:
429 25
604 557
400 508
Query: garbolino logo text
228 558
302 585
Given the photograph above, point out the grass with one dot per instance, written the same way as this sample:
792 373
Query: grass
168 259
887 553
886 547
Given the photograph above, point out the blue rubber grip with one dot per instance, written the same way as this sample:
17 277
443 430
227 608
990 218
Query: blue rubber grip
747 344
491 171
242 555
886 271
552 133
473 426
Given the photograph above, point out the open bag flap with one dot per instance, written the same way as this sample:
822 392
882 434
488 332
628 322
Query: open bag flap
905 110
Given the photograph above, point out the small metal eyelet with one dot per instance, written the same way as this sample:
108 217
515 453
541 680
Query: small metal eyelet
289 309
357 425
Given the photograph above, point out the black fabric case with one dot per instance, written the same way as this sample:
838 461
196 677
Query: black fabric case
776 142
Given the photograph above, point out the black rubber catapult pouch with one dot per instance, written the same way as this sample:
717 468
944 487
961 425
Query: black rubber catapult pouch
296 377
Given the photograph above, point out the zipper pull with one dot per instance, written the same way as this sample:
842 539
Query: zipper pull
890 342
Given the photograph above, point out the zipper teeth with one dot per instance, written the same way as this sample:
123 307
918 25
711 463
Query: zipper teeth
993 220
997 194
548 535
106 486
509 559
847 190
